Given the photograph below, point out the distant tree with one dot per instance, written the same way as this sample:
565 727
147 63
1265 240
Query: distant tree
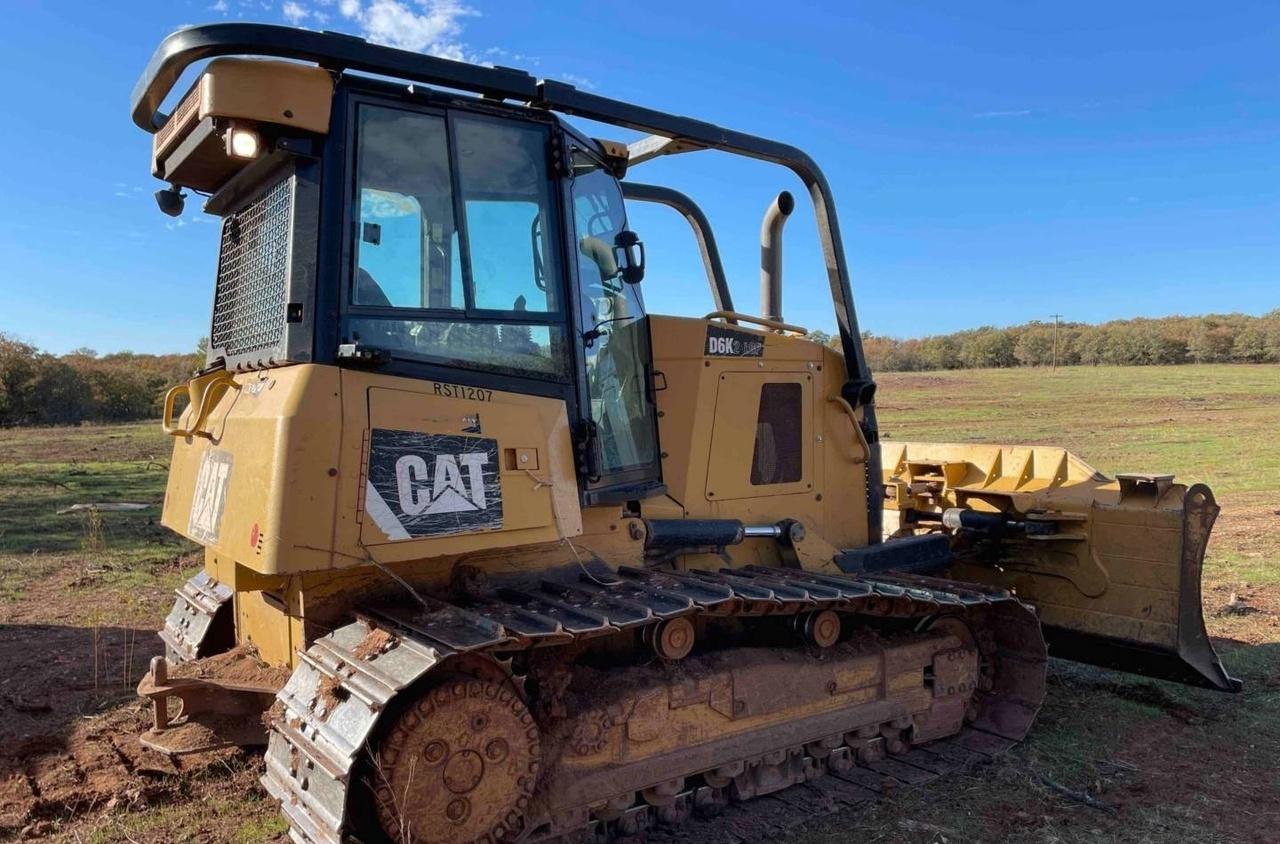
1250 345
1035 345
1271 327
819 336
1093 343
987 347
1144 342
18 366
1131 342
37 388
60 393
1211 341
940 352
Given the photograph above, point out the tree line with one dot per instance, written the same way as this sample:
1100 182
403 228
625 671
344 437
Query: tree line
37 388
1214 338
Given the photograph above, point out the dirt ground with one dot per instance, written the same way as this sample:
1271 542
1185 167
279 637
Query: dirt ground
1146 761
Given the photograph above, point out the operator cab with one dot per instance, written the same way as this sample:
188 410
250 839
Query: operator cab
475 246
419 234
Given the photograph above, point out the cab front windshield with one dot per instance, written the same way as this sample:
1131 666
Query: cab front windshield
455 264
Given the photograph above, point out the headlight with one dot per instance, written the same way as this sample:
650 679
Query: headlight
242 142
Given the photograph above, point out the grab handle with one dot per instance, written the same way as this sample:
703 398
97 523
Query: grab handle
203 393
755 320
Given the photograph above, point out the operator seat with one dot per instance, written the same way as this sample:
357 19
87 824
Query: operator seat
369 292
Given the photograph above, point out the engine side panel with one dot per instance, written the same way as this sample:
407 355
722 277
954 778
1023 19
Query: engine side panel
726 445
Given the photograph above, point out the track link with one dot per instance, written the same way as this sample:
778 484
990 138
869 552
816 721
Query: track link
347 679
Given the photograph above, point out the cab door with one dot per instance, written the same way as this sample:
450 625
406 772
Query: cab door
455 324
620 432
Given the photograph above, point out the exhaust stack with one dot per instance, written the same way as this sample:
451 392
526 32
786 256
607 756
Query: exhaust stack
771 255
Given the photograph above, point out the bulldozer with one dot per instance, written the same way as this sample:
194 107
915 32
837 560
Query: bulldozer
492 553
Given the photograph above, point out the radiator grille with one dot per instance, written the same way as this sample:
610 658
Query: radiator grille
253 275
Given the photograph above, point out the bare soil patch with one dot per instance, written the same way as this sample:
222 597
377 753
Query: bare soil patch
70 725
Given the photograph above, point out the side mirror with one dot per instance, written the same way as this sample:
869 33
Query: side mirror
628 253
171 200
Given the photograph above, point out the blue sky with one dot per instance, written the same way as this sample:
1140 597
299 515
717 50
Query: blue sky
993 162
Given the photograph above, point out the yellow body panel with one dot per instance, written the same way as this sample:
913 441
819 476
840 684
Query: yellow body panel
282 459
707 429
539 496
285 93
263 476
738 395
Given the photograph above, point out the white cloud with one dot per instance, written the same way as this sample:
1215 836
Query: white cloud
492 55
220 7
426 26
576 80
434 27
295 13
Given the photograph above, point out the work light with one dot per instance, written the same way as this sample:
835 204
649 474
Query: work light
242 142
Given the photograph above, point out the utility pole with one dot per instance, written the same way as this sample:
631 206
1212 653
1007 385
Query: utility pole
1056 317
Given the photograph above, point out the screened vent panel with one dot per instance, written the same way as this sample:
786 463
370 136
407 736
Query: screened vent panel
253 274
779 431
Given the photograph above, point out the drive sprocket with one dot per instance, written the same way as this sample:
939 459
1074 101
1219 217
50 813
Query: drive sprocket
458 766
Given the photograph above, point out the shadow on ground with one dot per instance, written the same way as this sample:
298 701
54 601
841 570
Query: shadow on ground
69 717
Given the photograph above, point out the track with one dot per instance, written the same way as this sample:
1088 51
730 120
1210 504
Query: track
319 750
766 817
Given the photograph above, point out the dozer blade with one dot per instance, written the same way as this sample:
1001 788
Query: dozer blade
1113 566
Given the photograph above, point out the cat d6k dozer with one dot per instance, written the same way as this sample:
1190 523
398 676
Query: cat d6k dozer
495 554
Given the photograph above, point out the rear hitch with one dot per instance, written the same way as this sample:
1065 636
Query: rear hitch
213 713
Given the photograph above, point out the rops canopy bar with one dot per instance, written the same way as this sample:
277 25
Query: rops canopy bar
702 232
345 52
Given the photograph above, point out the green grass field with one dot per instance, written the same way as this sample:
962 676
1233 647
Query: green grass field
1209 424
1176 764
119 557
1204 423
